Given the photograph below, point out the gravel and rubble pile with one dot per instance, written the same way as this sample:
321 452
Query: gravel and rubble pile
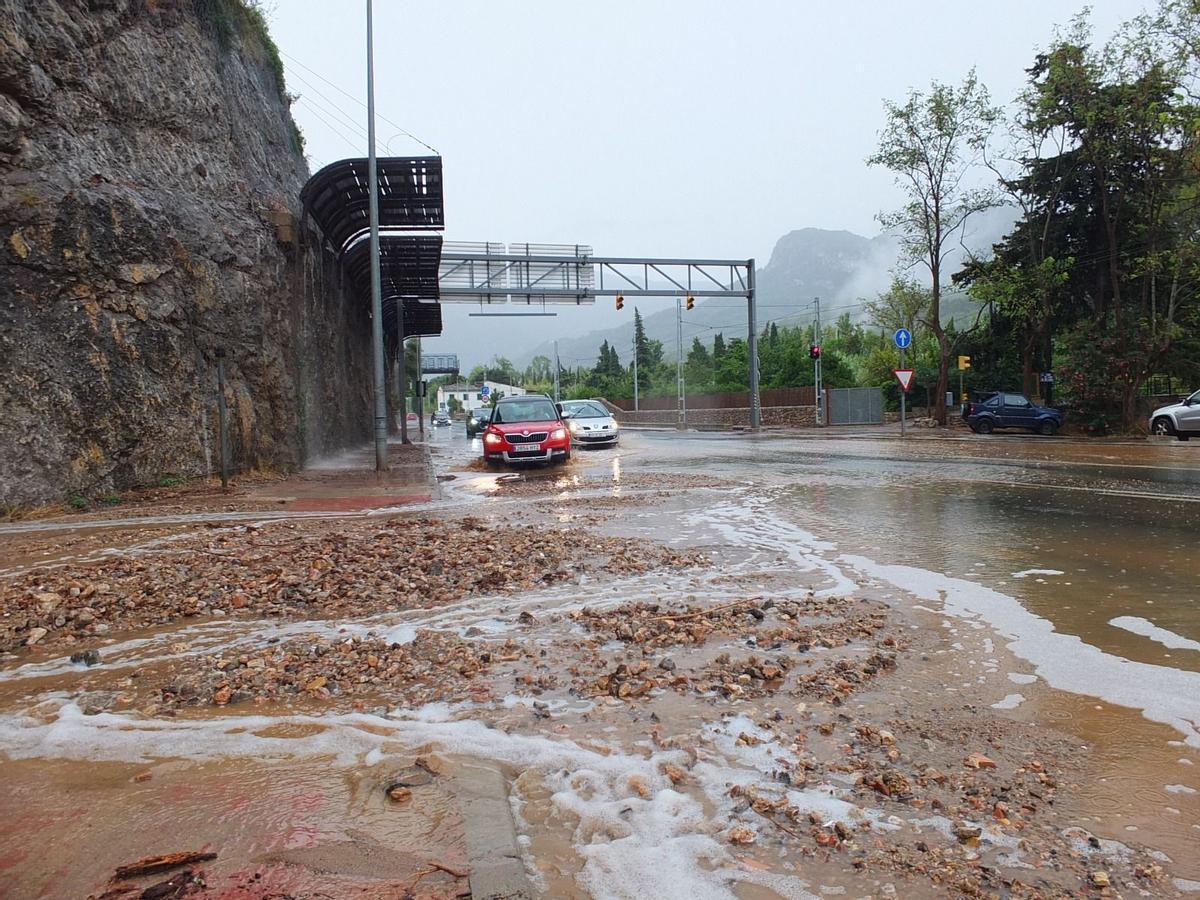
310 569
824 621
910 800
781 634
644 483
433 666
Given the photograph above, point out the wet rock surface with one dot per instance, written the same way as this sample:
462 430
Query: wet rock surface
142 236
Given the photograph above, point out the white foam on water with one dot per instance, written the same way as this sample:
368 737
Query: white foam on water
401 634
1010 701
1025 573
1146 628
1163 694
750 524
1021 678
821 801
633 846
1180 789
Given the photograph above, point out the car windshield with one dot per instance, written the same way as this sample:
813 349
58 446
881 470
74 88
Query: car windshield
585 409
1195 398
524 411
481 414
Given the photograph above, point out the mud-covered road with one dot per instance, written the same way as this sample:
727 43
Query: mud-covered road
704 666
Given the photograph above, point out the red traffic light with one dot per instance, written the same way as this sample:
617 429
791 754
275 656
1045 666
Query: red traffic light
814 351
620 301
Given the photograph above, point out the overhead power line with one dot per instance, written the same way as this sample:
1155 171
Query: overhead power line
343 91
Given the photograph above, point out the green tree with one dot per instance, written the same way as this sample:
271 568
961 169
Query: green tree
932 142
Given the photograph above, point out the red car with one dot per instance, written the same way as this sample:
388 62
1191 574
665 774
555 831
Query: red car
526 429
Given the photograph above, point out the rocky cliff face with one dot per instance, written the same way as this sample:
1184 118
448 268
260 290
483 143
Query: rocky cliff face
149 184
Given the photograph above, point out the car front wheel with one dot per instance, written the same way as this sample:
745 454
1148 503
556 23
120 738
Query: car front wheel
984 426
1163 427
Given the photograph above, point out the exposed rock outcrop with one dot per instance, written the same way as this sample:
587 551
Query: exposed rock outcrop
149 181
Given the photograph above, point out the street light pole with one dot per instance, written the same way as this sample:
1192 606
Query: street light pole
420 388
381 428
817 365
556 371
752 347
635 383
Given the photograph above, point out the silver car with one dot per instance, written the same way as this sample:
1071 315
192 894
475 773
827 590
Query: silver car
591 424
1180 419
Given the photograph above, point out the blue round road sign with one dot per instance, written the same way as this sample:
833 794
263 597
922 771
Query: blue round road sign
903 338
485 390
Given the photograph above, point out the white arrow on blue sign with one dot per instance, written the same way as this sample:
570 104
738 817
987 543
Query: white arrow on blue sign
485 390
903 338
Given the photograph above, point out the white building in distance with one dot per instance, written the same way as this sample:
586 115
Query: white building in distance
470 396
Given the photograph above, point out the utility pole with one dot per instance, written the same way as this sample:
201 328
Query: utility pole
817 365
556 367
903 399
381 427
752 347
681 422
635 384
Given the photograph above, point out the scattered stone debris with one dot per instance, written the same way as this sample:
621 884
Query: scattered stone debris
434 665
310 570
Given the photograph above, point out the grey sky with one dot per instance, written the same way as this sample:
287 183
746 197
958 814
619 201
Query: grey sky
647 128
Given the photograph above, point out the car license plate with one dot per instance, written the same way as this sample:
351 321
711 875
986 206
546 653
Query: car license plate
527 447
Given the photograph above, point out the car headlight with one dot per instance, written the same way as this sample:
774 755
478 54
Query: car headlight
558 434
491 438
615 426
574 426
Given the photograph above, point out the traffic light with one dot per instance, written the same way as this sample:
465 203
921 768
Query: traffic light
691 301
814 351
964 362
620 301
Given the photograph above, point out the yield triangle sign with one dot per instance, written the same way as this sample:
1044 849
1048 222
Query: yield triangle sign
905 377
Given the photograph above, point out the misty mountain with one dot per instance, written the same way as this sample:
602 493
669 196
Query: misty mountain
842 268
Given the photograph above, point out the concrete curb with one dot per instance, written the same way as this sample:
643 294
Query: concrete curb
494 855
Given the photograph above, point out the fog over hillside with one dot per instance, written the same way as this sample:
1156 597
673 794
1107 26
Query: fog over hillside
842 268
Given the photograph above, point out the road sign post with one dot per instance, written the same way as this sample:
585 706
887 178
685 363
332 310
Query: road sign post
903 339
905 378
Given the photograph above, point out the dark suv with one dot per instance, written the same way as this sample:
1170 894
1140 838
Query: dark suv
1002 409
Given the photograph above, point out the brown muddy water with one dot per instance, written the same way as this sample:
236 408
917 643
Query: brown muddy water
1069 594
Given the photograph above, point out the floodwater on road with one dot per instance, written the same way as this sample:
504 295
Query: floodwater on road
1075 568
1089 569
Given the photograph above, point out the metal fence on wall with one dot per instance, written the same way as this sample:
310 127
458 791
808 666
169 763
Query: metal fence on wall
855 406
803 396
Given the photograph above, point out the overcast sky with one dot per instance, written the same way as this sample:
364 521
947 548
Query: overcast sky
648 128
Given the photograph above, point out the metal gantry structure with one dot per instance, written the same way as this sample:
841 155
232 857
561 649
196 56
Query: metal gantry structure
545 274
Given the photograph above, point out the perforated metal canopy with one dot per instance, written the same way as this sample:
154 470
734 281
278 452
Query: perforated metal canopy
408 265
410 197
420 319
